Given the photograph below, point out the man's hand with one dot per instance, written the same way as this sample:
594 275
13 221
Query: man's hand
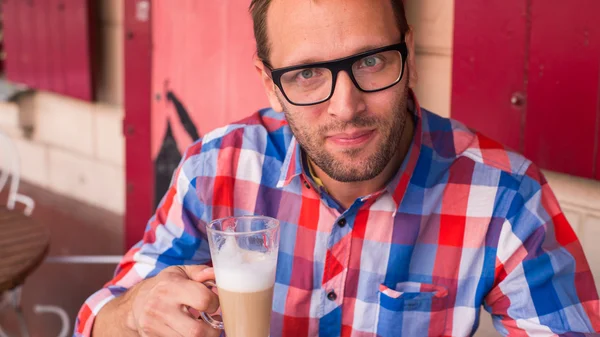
158 307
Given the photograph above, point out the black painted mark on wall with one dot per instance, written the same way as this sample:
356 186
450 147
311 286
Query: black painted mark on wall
169 156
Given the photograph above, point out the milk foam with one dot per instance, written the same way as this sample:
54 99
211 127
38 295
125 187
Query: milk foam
243 271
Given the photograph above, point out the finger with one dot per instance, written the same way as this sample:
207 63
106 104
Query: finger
185 270
158 329
209 330
195 313
207 302
199 273
185 325
194 294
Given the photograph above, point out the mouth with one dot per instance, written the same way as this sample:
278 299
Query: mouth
351 139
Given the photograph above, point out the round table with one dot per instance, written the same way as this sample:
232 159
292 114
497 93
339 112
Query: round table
23 245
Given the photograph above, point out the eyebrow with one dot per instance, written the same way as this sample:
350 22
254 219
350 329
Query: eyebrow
311 60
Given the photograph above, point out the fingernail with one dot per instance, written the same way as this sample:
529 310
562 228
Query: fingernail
208 270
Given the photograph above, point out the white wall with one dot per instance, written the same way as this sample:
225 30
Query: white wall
432 22
77 148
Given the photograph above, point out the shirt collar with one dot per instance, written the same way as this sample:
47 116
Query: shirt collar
398 185
292 165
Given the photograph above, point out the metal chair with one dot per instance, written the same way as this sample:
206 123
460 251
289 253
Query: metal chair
24 243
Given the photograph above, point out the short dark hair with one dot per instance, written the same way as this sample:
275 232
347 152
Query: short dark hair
259 9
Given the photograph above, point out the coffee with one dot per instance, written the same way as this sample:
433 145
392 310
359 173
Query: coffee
244 254
245 280
246 314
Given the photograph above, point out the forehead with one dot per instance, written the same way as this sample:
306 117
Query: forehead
303 31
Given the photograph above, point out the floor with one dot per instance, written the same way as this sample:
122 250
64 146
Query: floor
76 229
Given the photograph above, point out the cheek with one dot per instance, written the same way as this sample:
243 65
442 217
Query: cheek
382 104
315 114
307 119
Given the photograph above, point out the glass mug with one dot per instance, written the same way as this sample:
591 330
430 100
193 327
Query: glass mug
244 255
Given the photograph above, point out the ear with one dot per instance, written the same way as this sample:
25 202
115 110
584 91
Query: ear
410 62
270 88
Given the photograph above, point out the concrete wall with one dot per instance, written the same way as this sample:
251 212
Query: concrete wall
77 148
432 22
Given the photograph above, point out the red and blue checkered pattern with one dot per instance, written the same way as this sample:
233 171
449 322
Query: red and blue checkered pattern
464 224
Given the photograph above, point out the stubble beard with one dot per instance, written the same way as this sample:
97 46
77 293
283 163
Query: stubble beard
352 168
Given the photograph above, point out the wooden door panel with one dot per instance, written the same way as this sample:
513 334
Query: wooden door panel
490 48
138 79
78 74
564 86
12 38
49 45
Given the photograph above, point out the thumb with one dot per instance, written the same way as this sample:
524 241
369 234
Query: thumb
199 273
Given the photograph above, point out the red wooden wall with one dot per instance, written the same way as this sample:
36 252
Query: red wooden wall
48 45
563 92
527 72
488 67
138 80
203 54
198 76
2 55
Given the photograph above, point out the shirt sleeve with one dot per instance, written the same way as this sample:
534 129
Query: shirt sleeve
172 237
543 283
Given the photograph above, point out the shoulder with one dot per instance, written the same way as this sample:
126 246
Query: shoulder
452 140
264 133
498 182
501 175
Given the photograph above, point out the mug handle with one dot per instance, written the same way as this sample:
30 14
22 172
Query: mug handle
216 324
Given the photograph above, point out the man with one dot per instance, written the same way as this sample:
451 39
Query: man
395 221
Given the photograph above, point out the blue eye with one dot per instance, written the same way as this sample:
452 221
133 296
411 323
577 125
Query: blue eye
307 73
370 61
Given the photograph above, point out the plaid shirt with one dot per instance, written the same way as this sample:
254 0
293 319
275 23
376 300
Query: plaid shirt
465 223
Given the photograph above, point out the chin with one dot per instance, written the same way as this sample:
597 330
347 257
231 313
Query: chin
354 166
352 176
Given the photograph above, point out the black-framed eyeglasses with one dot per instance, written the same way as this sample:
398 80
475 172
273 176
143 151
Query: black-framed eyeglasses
314 83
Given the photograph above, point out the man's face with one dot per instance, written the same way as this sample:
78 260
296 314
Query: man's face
352 136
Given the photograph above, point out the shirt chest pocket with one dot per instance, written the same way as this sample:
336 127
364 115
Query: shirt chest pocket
412 309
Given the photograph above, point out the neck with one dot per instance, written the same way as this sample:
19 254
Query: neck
347 193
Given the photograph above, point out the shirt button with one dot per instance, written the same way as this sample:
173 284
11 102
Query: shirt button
332 296
306 184
342 222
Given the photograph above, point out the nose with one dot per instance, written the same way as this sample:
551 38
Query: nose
347 100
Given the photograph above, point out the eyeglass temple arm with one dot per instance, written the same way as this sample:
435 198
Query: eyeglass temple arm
268 68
